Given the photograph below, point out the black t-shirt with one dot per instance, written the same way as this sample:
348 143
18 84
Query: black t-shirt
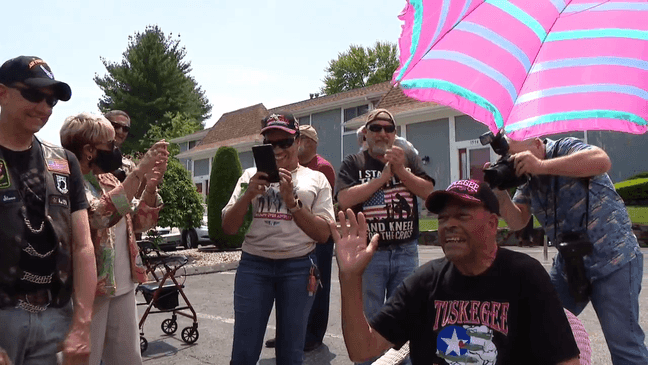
29 168
510 314
392 211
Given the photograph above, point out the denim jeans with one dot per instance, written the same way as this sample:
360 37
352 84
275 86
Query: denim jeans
259 283
387 269
33 338
615 299
319 313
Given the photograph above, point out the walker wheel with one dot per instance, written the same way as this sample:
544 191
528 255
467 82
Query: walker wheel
169 326
143 344
190 335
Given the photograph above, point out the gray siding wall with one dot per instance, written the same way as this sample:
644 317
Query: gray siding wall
350 145
627 152
466 128
431 139
327 125
247 159
201 167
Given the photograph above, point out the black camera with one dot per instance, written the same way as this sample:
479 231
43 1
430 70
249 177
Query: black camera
573 246
500 175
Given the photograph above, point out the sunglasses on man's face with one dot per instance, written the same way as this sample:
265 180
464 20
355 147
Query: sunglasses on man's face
36 96
377 128
117 126
282 143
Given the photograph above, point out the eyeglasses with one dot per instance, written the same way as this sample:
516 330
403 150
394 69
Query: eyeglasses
36 96
282 143
117 126
377 128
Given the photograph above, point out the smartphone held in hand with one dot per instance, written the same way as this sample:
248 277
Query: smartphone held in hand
265 161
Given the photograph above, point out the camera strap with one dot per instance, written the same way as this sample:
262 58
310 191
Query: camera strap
586 182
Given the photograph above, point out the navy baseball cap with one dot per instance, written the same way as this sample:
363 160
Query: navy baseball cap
33 72
470 191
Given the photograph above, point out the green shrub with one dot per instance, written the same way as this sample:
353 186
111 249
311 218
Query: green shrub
639 175
633 190
226 170
182 203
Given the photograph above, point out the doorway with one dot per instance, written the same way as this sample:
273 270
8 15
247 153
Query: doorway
471 162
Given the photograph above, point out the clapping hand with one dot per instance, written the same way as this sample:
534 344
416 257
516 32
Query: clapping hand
395 156
352 252
157 154
154 176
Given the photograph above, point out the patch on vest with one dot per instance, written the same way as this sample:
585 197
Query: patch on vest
61 183
5 181
9 196
58 200
58 165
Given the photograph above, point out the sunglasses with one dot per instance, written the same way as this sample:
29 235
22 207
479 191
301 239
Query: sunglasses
377 128
36 96
117 126
282 143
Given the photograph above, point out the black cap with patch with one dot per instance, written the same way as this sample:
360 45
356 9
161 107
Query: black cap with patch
35 73
469 191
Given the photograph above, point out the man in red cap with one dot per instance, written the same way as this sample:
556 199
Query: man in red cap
47 259
479 304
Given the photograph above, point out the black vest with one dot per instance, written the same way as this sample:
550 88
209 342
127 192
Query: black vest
57 216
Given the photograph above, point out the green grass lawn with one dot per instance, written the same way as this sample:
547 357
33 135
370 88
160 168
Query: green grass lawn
637 215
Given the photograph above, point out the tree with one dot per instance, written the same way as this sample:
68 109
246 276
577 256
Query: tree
359 67
151 80
175 125
222 181
182 203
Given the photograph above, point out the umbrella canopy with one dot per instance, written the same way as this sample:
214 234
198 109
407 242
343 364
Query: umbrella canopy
531 67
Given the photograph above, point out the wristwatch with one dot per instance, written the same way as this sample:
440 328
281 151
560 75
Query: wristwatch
298 206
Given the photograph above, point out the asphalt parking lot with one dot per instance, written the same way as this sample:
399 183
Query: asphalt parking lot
211 297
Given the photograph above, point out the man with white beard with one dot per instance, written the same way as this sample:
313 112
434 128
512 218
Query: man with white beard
383 183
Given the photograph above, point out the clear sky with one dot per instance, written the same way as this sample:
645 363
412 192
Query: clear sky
242 52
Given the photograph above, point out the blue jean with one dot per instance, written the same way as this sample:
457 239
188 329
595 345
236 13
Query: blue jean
259 283
386 270
33 338
615 299
319 313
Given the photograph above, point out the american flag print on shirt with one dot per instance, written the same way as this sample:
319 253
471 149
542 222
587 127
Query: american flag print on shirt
390 203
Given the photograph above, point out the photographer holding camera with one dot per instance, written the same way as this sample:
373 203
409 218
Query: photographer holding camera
599 260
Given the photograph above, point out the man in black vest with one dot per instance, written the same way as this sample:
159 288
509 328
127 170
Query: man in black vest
47 259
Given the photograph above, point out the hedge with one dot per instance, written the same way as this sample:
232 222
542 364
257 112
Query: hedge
633 191
225 173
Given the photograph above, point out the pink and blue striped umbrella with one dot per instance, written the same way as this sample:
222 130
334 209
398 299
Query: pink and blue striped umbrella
532 67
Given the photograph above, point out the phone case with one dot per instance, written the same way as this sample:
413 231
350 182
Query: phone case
265 161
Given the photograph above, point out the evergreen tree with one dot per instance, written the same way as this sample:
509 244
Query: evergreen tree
151 80
359 67
224 175
176 125
182 203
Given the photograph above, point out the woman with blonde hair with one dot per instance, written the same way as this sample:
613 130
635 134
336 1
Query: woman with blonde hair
114 218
